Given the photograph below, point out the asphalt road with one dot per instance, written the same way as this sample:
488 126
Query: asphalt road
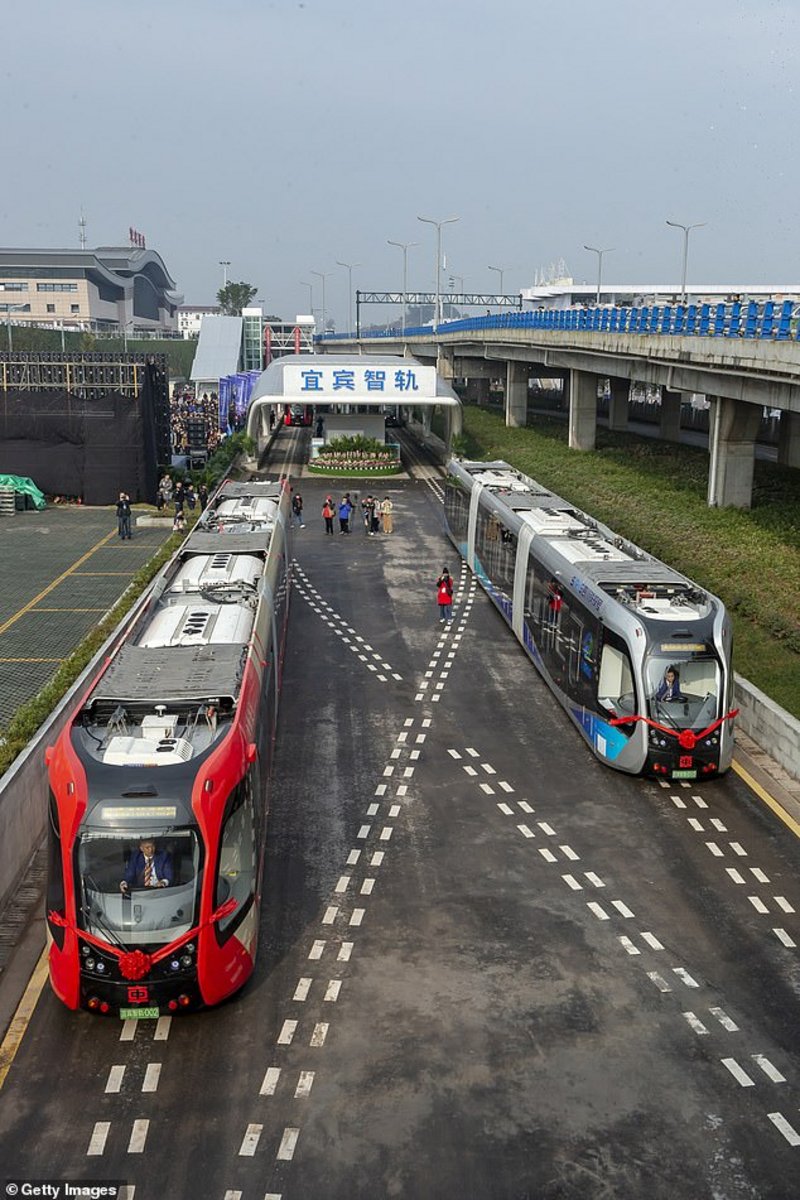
489 968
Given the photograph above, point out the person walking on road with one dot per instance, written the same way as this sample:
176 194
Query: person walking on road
327 514
444 596
345 509
387 509
297 509
124 516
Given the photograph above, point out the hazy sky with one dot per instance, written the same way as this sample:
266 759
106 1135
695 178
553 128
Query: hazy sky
284 136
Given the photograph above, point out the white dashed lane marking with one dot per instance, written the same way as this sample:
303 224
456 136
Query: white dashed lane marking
138 1136
738 1073
250 1141
270 1082
114 1081
788 1131
97 1142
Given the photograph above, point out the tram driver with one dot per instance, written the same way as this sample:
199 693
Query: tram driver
147 867
670 686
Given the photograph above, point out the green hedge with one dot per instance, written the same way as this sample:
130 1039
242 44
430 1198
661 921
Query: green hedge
654 493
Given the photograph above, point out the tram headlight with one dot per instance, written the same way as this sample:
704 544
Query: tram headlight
85 950
186 960
101 967
90 964
190 949
174 964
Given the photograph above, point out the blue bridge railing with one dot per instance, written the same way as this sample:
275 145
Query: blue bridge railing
775 320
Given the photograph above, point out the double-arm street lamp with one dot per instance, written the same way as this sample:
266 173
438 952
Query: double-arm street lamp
224 263
501 272
599 253
404 246
437 316
323 275
686 230
349 267
310 287
9 308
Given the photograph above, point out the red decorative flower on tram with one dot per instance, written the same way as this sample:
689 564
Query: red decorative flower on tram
135 964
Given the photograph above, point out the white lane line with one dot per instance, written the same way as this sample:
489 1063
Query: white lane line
487 788
163 1026
138 1136
685 977
572 882
594 879
288 1030
699 801
358 916
401 737
426 724
372 809
659 981
526 808
735 875
720 826
737 848
505 808
598 910
545 828
343 882
402 789
387 771
353 857
409 721
151 1077
569 853
250 1141
740 1075
394 811
758 904
330 915
319 1034
114 1081
469 770
758 874
420 738
766 1066
302 989
345 950
488 768
470 751
696 1024
715 850
783 936
386 833
367 886
525 831
270 1081
548 855
396 753
304 1085
783 1126
783 903
408 772
97 1142
504 785
676 800
332 991
231 1194
128 1031
652 941
377 858
414 755
628 946
363 832
698 826
725 1021
622 908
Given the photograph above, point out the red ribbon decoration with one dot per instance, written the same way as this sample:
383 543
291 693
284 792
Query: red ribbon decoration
687 739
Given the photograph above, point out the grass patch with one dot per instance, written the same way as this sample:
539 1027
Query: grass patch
654 493
354 471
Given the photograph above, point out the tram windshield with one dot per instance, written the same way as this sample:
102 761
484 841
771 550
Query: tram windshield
138 888
683 692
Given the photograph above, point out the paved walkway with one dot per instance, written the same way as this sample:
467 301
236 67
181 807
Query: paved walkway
62 570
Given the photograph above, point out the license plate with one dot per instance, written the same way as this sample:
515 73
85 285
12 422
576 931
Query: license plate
684 774
138 1014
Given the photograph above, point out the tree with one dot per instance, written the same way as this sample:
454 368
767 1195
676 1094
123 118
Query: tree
234 297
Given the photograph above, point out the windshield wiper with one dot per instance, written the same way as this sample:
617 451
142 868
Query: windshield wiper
90 918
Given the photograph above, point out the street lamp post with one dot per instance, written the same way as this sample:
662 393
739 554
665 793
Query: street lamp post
686 230
599 253
437 315
350 267
9 309
224 263
501 272
310 287
323 275
404 246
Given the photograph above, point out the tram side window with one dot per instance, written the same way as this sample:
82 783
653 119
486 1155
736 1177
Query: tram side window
456 503
497 549
615 688
236 876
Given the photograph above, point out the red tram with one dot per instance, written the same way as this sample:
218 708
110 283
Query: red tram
158 784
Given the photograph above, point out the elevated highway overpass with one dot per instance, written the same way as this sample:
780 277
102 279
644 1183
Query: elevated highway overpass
743 358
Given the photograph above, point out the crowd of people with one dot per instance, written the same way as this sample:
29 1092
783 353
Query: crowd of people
177 497
185 406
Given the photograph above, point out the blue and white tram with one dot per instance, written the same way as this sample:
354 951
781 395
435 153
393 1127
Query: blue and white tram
637 654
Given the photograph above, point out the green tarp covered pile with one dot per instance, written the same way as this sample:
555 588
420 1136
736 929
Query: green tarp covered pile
21 483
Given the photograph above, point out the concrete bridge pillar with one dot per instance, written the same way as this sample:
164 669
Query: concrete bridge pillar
789 439
670 423
444 364
618 404
732 442
516 394
582 410
477 391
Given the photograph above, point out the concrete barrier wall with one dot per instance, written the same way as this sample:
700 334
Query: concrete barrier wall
776 731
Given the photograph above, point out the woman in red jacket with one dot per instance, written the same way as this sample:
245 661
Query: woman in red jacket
444 596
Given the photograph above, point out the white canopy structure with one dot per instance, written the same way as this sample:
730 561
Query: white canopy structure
372 381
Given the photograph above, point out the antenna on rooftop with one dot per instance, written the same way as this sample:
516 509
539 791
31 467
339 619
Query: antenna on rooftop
82 228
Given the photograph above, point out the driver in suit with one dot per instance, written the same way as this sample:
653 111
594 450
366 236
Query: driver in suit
147 868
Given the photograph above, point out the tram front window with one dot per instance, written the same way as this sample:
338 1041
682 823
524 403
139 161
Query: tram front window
683 693
138 888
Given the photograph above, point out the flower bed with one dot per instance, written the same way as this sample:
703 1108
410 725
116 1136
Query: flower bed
355 456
